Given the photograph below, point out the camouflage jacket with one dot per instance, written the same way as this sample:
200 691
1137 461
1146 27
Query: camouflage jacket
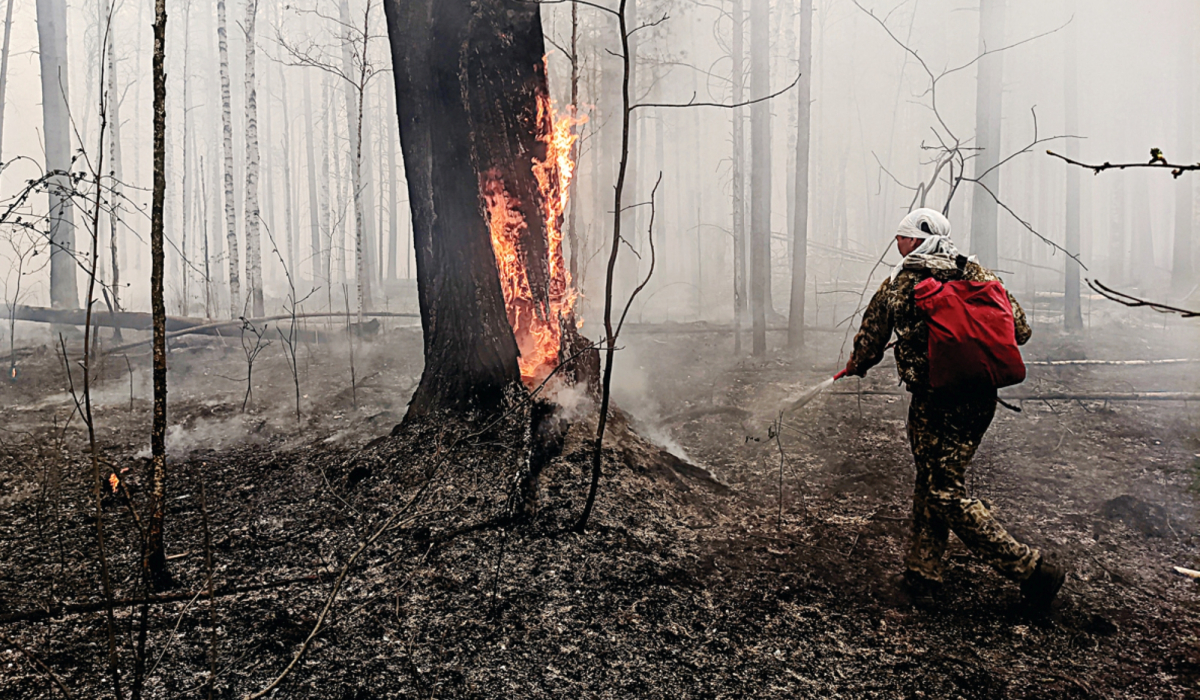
893 309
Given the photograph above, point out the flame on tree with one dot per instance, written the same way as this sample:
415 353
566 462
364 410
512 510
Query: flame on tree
488 172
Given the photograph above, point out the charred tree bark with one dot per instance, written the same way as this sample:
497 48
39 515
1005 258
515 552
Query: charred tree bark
468 78
156 560
800 221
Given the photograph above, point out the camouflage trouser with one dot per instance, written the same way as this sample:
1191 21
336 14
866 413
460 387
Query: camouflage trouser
945 432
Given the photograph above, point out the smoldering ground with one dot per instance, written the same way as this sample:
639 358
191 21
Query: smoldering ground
687 588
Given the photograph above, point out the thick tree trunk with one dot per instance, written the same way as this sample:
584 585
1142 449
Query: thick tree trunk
231 241
760 172
52 52
572 238
156 560
800 204
4 66
739 178
468 80
989 91
254 277
1072 309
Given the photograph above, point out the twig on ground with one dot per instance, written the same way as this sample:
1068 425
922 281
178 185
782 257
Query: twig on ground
37 663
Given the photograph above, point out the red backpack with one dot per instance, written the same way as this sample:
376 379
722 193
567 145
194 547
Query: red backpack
972 337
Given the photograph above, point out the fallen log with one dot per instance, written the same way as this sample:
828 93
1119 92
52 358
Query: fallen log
176 325
60 609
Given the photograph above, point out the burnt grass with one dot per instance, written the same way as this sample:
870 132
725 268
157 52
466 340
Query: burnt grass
682 586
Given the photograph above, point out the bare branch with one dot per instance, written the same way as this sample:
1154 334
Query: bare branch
1157 160
1135 302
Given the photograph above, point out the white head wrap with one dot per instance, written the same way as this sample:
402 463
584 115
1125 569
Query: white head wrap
933 228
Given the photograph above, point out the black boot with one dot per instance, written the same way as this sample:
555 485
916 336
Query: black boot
1041 587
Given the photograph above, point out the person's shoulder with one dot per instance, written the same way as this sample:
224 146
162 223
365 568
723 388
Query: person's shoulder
972 271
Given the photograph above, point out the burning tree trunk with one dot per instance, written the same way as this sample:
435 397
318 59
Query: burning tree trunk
487 172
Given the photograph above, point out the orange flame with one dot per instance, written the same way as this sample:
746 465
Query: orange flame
114 481
538 333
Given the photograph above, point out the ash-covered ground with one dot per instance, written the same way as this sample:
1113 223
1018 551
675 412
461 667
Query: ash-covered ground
776 578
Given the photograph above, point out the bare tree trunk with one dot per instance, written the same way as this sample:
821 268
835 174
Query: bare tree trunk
572 236
114 167
231 242
4 66
314 219
739 179
208 300
286 156
391 133
800 207
354 116
156 560
185 221
323 213
1117 249
52 52
1072 309
760 173
1183 275
254 275
989 100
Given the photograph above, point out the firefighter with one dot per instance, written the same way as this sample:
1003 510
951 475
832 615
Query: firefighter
945 426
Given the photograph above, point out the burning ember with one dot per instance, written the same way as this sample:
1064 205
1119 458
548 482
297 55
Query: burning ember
537 330
115 481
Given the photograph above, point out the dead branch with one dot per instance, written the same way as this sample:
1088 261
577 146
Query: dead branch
37 663
1157 160
61 609
1135 302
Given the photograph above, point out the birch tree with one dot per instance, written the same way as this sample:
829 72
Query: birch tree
231 242
254 277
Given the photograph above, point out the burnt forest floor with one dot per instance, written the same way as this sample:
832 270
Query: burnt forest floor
775 578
